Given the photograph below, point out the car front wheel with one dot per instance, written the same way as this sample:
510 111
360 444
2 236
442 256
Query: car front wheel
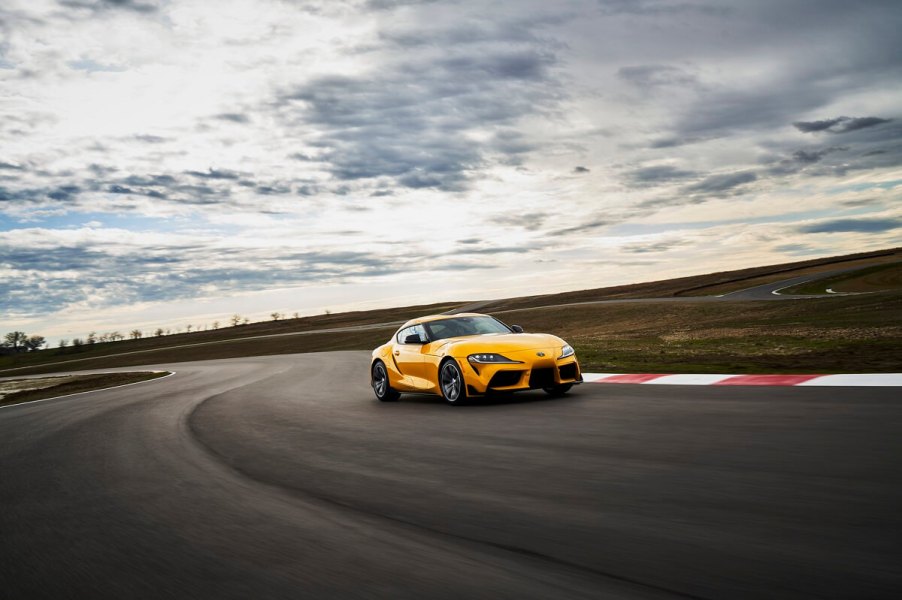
451 382
381 385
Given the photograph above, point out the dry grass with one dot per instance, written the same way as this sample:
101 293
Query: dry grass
842 334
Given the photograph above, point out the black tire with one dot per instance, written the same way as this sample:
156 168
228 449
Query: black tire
451 383
558 390
381 385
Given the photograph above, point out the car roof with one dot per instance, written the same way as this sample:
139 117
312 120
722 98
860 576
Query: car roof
429 318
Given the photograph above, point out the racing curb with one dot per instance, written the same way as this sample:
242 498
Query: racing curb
855 380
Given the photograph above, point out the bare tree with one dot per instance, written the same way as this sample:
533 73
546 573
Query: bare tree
245 321
92 338
77 343
104 338
188 328
236 319
158 332
275 316
136 334
215 324
63 343
296 316
34 343
115 336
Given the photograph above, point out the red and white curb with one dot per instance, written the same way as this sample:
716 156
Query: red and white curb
855 380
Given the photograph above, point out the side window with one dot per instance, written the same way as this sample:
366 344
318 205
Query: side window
413 330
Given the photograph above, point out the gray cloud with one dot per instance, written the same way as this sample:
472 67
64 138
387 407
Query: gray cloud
150 139
392 4
651 247
214 174
234 117
717 184
647 77
101 5
726 112
62 193
664 8
580 169
851 225
798 249
410 121
807 159
839 124
657 174
589 225
813 156
531 221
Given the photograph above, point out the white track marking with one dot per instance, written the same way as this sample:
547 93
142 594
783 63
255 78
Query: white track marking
777 291
858 380
849 379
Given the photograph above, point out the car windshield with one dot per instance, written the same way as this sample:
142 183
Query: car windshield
461 326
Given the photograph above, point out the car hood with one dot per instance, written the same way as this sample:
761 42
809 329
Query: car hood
501 343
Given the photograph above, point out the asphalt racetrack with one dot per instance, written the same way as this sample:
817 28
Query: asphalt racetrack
282 477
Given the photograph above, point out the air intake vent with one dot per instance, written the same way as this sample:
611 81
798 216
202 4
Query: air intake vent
505 379
568 372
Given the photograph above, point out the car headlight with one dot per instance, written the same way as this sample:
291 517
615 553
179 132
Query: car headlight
566 351
491 359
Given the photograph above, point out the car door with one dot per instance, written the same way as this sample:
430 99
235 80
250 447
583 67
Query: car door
409 358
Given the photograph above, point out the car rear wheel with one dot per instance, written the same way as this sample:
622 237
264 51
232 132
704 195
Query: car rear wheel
451 382
558 390
381 384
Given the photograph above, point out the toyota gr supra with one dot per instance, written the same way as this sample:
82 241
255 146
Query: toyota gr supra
463 356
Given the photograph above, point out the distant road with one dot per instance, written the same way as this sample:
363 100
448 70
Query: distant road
771 291
281 477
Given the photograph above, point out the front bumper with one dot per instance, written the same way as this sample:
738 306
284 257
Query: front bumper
544 372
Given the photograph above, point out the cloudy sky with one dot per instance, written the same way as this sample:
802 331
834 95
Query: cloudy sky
171 162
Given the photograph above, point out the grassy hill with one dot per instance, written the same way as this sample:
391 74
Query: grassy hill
843 334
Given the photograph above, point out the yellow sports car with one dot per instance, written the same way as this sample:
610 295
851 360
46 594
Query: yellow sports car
466 355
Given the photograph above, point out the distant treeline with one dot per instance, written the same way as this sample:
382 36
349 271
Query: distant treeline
15 342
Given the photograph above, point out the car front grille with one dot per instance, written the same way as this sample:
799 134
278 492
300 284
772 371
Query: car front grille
541 378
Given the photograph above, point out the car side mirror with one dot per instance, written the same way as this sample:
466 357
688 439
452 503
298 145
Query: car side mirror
413 339
517 329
